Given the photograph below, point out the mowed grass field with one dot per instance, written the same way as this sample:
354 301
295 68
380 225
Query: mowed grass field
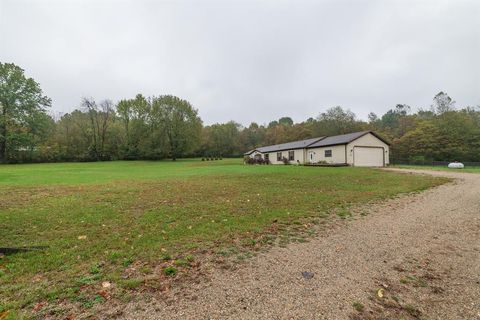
113 230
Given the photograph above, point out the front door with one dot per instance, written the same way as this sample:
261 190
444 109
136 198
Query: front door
310 156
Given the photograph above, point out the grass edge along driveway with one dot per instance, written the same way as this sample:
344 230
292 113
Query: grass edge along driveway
118 229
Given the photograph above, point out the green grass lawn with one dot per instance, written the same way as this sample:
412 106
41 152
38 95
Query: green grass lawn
138 224
440 168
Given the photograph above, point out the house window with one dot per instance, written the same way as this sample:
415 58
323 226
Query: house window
279 156
328 153
266 156
291 155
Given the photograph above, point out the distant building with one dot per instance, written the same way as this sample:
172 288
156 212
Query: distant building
359 149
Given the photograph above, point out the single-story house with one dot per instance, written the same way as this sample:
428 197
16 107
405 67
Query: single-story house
360 149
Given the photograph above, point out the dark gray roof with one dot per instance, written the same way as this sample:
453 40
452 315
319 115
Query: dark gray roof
289 145
343 139
340 139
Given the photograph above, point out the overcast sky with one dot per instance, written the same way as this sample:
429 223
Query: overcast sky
248 60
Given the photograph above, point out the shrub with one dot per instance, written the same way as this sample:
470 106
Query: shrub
249 160
181 263
166 256
203 159
170 271
95 269
285 161
131 283
358 306
418 160
127 262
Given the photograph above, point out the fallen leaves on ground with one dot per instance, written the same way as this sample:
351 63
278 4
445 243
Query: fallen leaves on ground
380 293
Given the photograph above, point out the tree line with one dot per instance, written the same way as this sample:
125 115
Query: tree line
166 126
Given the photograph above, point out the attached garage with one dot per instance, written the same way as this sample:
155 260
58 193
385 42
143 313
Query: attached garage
359 149
368 150
368 156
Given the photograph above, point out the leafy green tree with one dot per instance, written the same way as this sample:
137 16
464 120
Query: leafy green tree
40 127
273 123
443 103
182 125
100 117
135 115
372 117
125 113
21 101
398 121
223 139
286 121
420 142
276 134
425 114
336 120
253 136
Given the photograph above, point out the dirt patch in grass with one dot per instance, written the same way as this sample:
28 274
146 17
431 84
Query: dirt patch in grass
18 197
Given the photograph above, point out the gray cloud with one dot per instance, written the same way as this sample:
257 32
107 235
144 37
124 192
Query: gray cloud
248 60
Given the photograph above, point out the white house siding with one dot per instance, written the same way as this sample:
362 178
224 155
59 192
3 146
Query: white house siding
273 157
255 154
298 155
368 140
338 154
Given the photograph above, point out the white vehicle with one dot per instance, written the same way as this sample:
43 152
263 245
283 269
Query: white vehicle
456 165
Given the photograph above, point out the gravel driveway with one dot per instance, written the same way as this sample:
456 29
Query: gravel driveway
413 257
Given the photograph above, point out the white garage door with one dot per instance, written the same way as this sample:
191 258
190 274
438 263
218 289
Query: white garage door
368 157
